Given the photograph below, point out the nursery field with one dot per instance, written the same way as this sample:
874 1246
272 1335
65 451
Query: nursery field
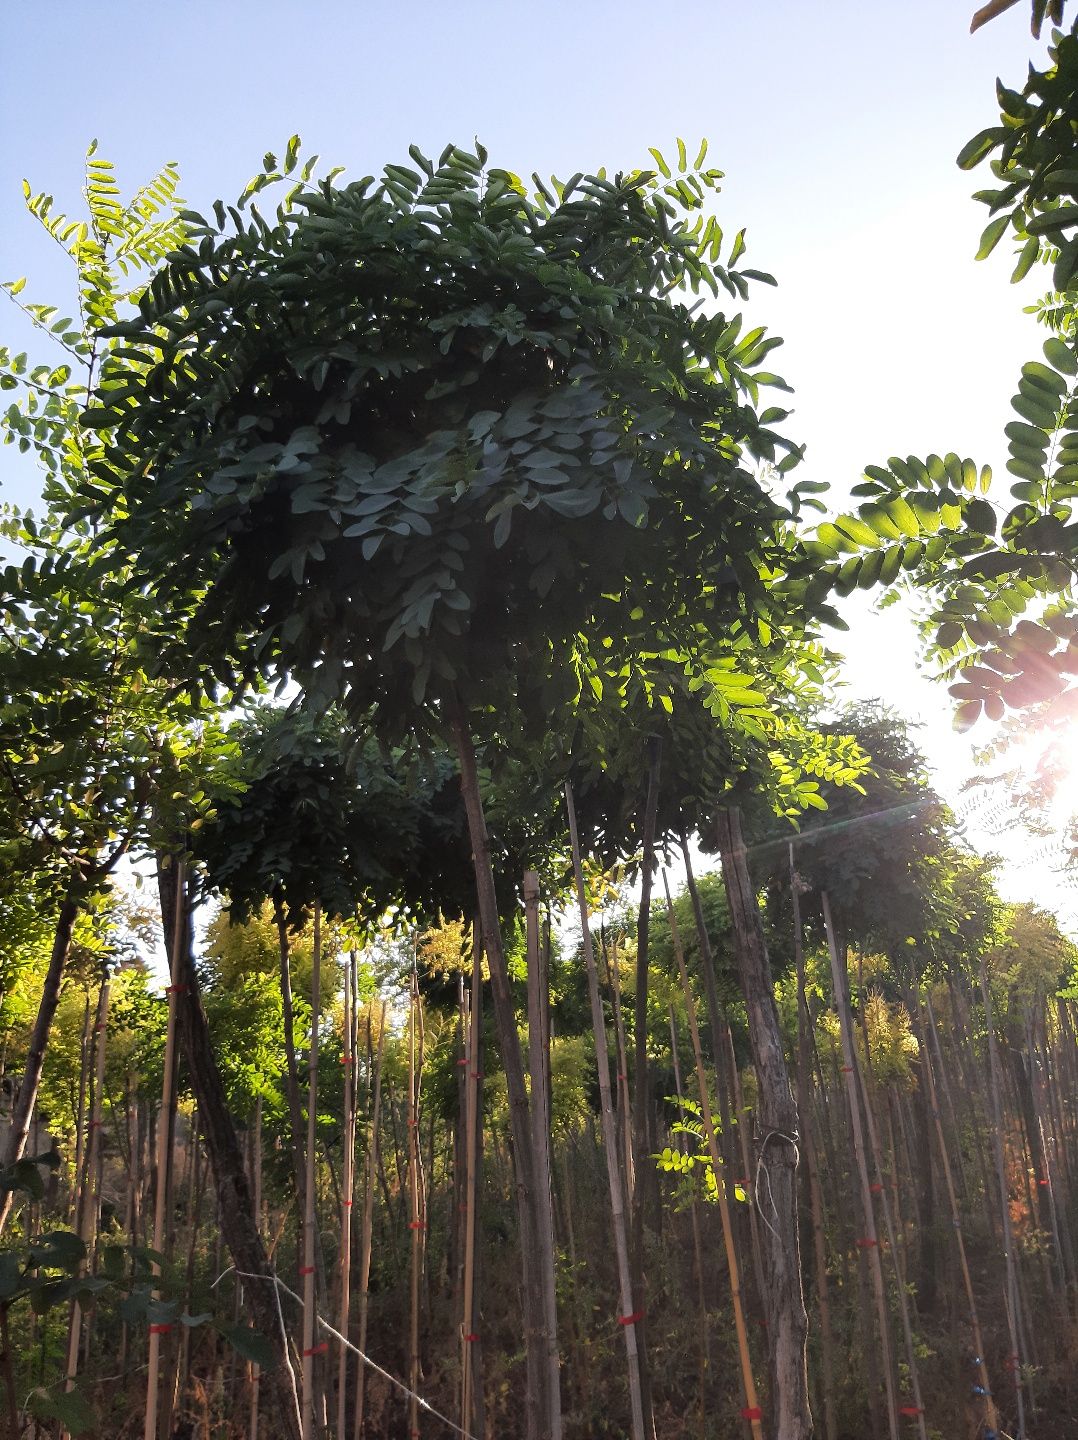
469 962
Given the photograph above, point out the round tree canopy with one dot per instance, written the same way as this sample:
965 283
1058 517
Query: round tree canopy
436 433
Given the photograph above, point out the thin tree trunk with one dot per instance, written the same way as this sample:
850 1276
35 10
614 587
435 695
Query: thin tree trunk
348 1061
697 1240
80 1117
732 1139
1013 1298
812 1173
239 1226
415 1212
777 1157
539 1065
22 1112
629 1318
311 1347
991 1416
291 1077
625 1109
472 1408
256 1202
537 1418
868 1242
164 1148
645 1192
751 1409
87 1207
370 1167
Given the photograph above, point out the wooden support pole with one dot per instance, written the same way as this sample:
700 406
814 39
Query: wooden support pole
751 1409
628 1318
164 1149
348 1063
310 1215
539 1067
868 1241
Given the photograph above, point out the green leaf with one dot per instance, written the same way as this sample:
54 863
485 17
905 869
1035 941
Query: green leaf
70 1407
1060 356
250 1344
1027 255
974 151
993 231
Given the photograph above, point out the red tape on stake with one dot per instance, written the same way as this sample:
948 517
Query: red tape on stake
174 989
876 1189
462 1062
1042 1182
348 1203
316 1349
633 1319
306 1269
160 1329
909 1410
864 1243
346 1059
472 1338
417 1224
847 1069
752 1412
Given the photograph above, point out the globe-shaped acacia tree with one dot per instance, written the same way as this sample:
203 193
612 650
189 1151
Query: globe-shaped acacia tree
425 443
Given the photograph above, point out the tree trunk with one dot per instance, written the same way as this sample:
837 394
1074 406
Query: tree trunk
22 1112
311 1409
505 1020
371 1164
645 1193
868 1241
777 1155
812 1174
239 1225
1012 1295
751 1410
539 1066
629 1318
291 1078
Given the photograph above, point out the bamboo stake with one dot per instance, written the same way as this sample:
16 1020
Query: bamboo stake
348 1061
88 1190
164 1149
869 1241
371 1166
627 1319
469 1335
539 1066
1004 1202
625 1109
751 1410
80 1114
697 1242
310 1347
901 1292
415 1221
256 1175
991 1416
806 1130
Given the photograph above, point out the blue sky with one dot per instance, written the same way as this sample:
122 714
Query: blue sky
836 123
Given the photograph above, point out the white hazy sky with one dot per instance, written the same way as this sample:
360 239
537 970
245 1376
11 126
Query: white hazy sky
836 123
